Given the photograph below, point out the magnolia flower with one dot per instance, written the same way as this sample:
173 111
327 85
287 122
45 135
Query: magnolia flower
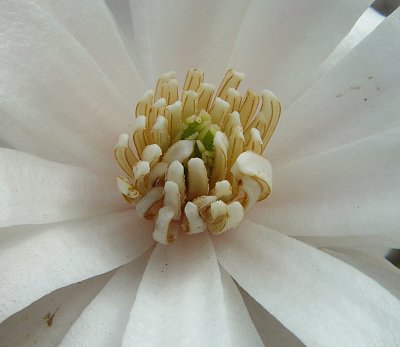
80 267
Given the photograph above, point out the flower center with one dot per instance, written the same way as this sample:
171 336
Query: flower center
196 162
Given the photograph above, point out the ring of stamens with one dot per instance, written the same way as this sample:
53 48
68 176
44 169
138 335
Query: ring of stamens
196 161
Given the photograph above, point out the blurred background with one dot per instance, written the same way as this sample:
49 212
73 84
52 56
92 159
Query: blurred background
386 7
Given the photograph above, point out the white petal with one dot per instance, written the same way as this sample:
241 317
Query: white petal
180 299
286 41
241 328
121 13
34 326
34 190
92 25
323 301
271 331
352 190
190 34
367 241
103 321
36 260
376 267
356 99
366 24
58 104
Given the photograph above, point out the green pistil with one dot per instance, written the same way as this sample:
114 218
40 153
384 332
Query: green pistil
201 130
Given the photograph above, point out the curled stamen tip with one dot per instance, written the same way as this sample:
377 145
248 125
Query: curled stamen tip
190 93
151 152
268 93
238 75
208 86
175 106
160 103
146 95
139 123
123 140
169 75
233 91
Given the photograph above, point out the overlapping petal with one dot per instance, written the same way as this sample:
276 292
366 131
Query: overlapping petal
357 98
288 40
46 321
322 300
92 25
182 302
103 321
351 190
34 190
35 260
57 103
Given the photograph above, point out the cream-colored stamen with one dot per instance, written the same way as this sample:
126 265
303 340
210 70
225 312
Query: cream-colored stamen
163 232
161 83
197 160
232 79
218 110
223 190
144 104
139 134
205 92
126 188
180 151
250 164
193 79
172 198
221 158
148 201
176 173
174 119
189 103
152 153
195 222
124 155
233 98
197 179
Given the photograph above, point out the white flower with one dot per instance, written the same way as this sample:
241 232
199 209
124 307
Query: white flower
79 268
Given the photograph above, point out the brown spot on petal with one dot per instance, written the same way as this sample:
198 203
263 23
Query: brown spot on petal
49 317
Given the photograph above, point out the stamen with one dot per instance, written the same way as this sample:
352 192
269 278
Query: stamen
223 190
232 79
248 107
172 198
180 151
196 162
144 104
189 101
193 219
161 83
205 93
198 181
236 144
139 134
152 153
124 155
160 133
233 98
218 110
176 173
193 79
174 119
163 232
